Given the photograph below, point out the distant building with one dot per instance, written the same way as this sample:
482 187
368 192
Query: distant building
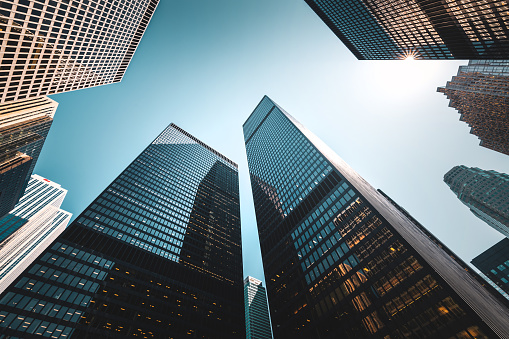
157 254
486 193
24 125
340 260
257 311
424 29
494 263
480 93
51 47
31 227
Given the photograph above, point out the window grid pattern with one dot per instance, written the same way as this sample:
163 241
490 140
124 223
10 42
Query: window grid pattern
480 93
49 46
494 263
361 277
424 29
486 193
182 274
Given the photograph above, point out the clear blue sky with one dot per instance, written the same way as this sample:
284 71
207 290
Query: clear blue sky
204 65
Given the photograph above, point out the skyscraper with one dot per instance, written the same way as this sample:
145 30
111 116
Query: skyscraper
143 258
494 263
24 125
423 29
31 227
57 46
256 309
340 260
40 193
480 93
484 192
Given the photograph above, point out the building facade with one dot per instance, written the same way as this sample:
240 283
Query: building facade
256 309
39 193
480 93
486 193
494 263
24 126
28 229
339 259
50 47
157 254
423 29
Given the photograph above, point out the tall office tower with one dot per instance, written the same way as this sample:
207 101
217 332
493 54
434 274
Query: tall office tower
484 192
480 278
53 46
157 255
480 93
340 260
494 263
40 193
24 125
424 29
31 227
256 309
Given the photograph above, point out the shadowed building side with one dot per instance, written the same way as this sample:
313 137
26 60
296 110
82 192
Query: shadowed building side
343 261
116 270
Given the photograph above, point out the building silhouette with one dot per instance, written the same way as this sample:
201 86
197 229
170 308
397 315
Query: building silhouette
484 192
480 93
24 125
342 261
31 227
56 46
136 262
423 29
256 309
494 263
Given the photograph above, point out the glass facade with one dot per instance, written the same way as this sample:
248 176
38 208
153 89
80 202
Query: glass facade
494 263
57 46
156 255
24 125
486 193
339 259
39 193
423 29
256 309
480 93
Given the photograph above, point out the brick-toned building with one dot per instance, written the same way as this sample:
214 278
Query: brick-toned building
480 93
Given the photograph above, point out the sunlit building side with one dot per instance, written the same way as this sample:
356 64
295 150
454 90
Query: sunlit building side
257 311
480 93
50 47
339 259
422 29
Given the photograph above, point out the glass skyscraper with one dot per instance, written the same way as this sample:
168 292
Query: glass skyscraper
339 259
486 193
24 126
53 46
480 93
424 29
494 263
156 255
257 311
